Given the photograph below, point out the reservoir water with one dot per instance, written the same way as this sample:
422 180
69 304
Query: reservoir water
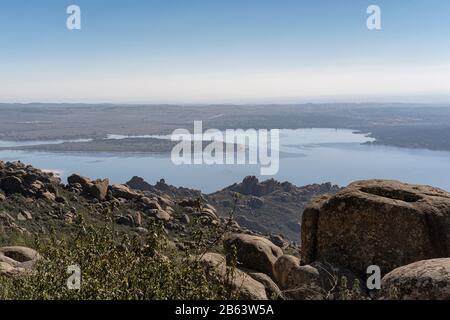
306 156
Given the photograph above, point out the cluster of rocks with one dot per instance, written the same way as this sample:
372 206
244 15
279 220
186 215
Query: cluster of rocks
403 229
18 178
258 269
97 189
267 207
158 207
254 275
261 270
205 212
395 226
34 185
96 196
8 222
248 265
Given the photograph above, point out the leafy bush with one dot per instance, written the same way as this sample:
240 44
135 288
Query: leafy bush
113 266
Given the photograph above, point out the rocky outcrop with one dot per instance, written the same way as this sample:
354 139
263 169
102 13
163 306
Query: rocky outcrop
377 222
162 188
253 252
269 207
16 260
266 207
422 280
97 189
17 178
251 186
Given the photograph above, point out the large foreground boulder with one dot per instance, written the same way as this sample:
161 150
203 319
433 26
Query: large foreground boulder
422 280
253 252
377 222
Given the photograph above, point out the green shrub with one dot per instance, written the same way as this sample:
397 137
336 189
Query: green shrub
113 266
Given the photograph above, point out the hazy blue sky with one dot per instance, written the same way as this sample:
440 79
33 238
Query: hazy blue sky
227 50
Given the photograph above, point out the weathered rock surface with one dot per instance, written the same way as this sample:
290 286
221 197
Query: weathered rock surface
272 289
249 288
97 189
316 281
253 252
77 179
151 204
15 260
122 191
160 215
299 282
422 280
377 222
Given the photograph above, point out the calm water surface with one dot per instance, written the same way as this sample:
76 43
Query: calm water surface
307 156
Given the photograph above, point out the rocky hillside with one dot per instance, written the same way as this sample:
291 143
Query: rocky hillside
152 244
267 207
177 224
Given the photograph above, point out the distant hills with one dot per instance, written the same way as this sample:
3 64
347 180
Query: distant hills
404 125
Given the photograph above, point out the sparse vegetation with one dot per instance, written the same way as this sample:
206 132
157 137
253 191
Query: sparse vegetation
114 265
